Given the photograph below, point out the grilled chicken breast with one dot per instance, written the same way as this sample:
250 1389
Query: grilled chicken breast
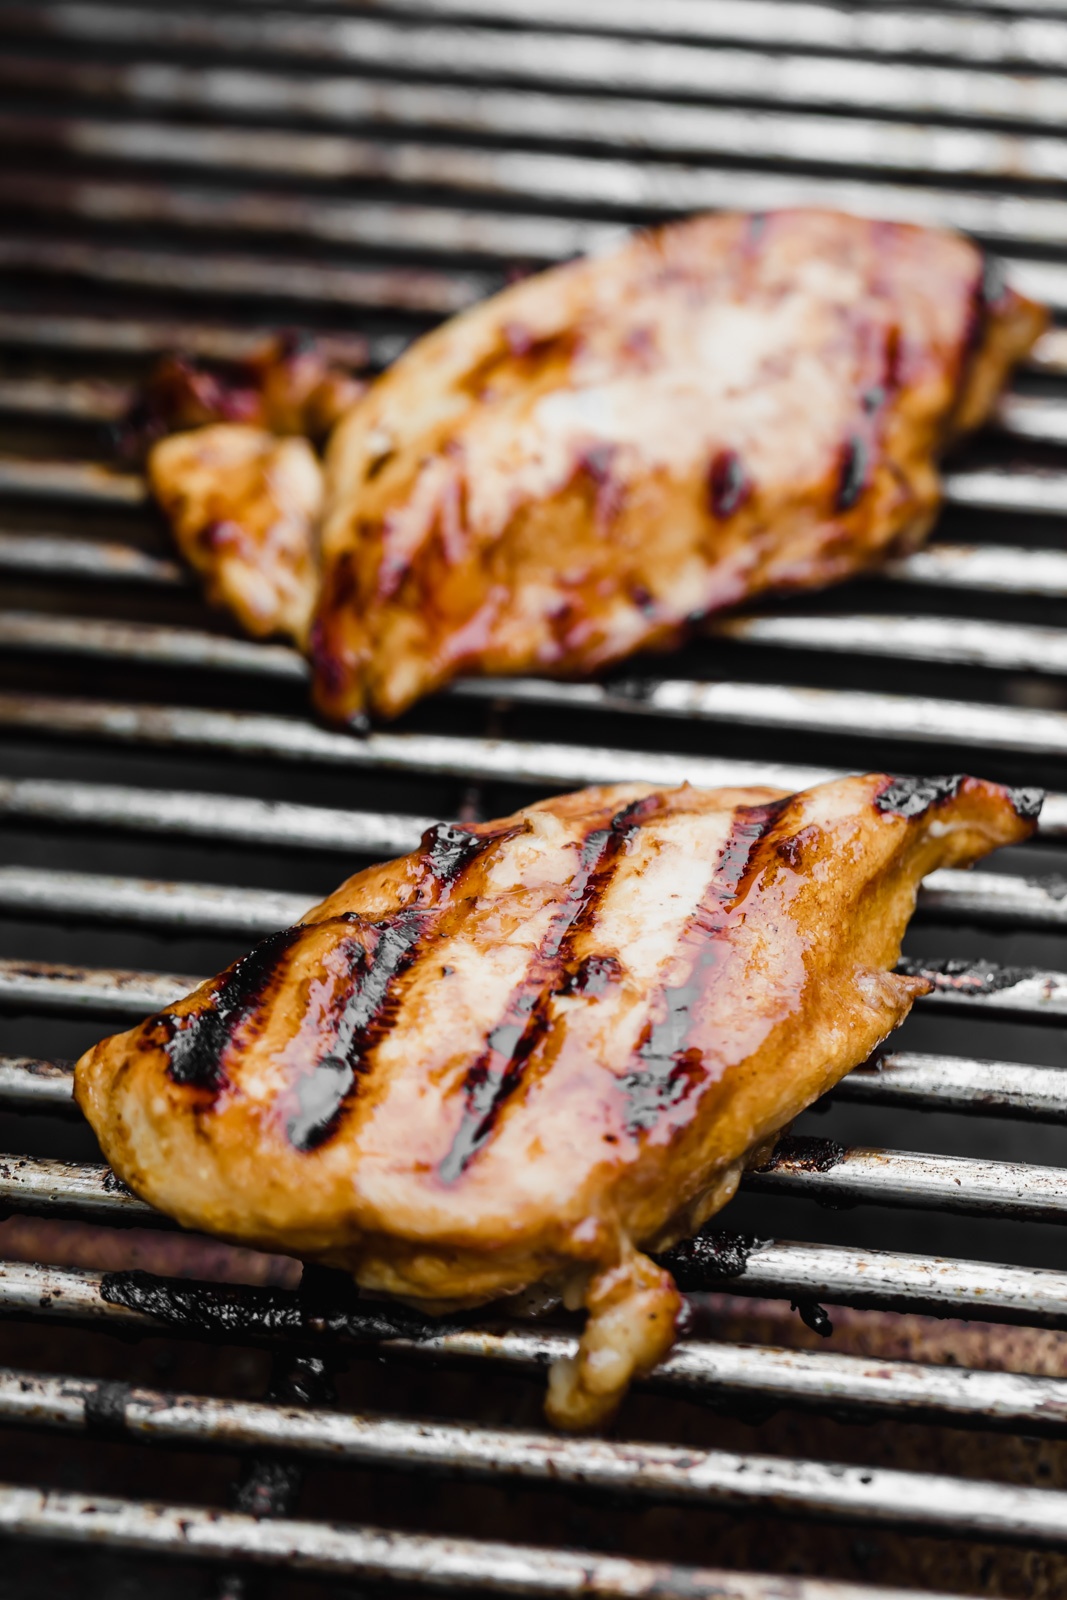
244 508
597 459
535 1049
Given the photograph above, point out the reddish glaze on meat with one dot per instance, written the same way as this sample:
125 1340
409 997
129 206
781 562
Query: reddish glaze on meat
535 1049
602 456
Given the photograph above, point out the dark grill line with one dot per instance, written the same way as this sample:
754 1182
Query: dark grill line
670 1066
365 1004
496 1074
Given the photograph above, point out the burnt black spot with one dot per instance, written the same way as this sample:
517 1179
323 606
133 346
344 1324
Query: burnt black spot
643 599
709 1259
378 464
965 977
852 474
913 797
499 1070
321 1094
670 1069
728 484
803 1155
448 849
813 1316
595 975
194 1044
105 1408
247 1314
1027 803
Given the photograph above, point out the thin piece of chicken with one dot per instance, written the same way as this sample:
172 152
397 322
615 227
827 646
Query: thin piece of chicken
535 1048
244 508
597 459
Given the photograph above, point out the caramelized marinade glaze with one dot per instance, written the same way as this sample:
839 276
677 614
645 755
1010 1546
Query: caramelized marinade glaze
535 1049
596 460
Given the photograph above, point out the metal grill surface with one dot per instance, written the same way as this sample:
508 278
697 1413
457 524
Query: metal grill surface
188 177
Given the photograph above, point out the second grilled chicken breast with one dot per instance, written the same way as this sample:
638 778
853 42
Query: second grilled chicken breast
535 1049
597 459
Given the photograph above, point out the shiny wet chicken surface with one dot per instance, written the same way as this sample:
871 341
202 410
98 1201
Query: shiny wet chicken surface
597 459
592 462
535 1049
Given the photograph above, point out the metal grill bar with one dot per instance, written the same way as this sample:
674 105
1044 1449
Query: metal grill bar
974 37
27 1084
955 1083
210 816
708 1373
199 907
569 59
904 1178
418 1561
855 713
880 1279
56 556
998 646
643 1472
994 568
801 1166
421 290
703 1372
567 766
644 125
571 179
104 336
948 895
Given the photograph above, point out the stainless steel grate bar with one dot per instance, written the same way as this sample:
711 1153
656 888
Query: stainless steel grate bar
839 1275
219 817
418 1561
998 646
641 1471
888 30
905 1178
992 568
101 561
703 1372
71 480
571 59
565 766
641 125
1013 1190
423 290
541 176
198 907
1004 647
953 896
144 337
959 1084
28 1084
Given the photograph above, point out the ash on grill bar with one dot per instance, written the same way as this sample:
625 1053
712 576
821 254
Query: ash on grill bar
871 1395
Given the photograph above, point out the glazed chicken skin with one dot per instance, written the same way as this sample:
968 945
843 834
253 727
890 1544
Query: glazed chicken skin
535 1049
231 463
596 460
243 506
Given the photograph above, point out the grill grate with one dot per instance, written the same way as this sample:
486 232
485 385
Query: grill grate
185 178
